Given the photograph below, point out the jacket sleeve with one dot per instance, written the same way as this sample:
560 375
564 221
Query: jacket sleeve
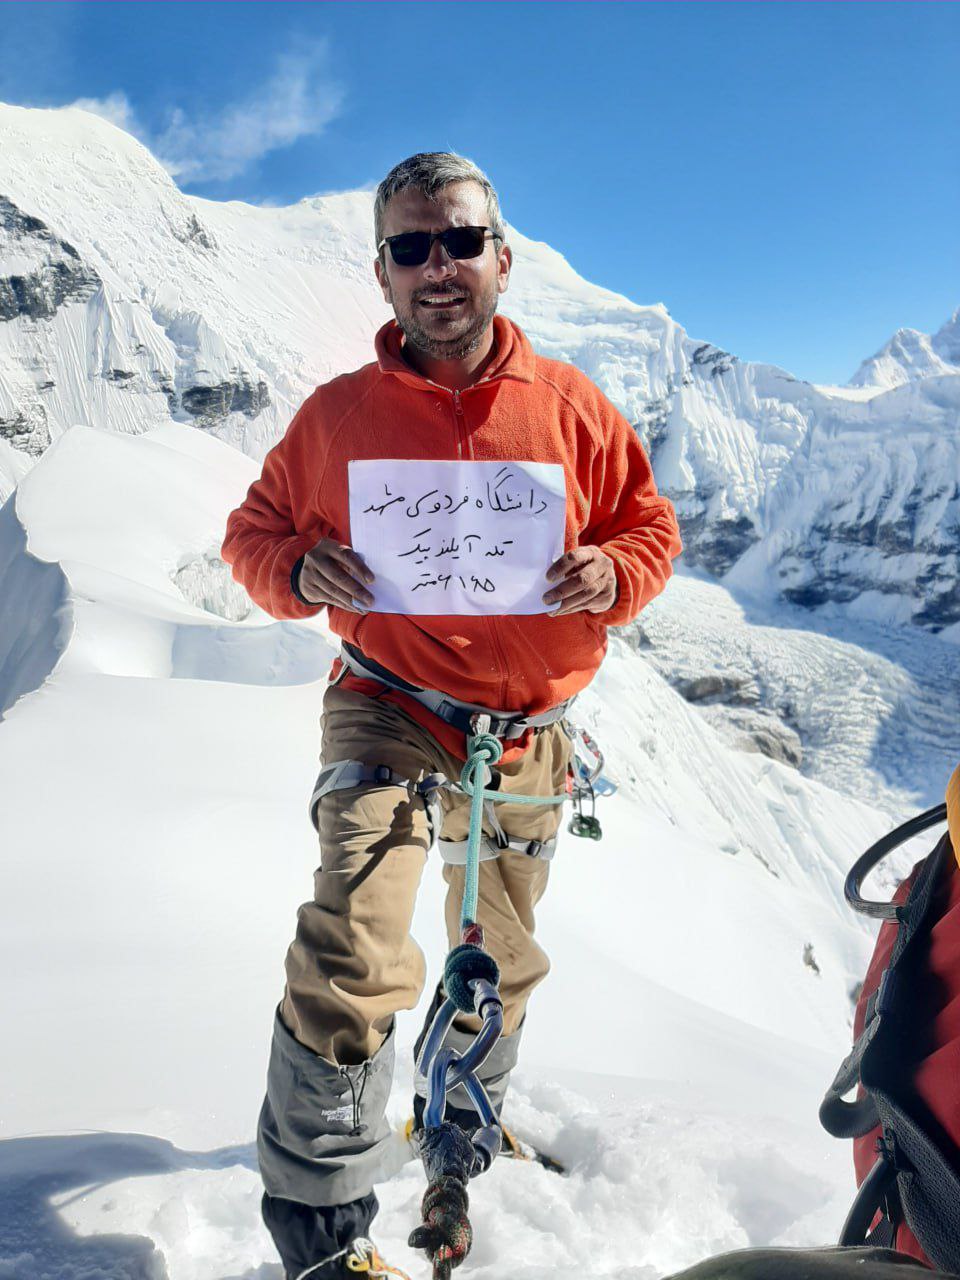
629 520
273 527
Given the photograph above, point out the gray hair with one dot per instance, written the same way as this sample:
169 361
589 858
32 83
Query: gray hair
429 172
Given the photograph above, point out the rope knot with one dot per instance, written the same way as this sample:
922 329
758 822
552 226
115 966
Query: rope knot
483 749
466 964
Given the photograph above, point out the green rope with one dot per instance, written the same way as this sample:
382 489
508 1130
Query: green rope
483 749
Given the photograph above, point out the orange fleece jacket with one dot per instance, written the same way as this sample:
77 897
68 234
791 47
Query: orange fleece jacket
525 406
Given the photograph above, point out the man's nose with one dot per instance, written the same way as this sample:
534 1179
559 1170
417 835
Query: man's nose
439 265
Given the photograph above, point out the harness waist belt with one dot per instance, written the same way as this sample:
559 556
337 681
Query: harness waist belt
461 715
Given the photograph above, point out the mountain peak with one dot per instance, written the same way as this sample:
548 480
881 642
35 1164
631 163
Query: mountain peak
910 355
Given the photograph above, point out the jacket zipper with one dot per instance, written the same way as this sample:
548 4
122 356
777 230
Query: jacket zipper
458 423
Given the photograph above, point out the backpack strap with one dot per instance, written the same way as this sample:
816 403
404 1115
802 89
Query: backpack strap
854 1119
876 1195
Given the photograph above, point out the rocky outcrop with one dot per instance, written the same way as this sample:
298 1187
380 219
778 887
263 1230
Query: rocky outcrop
733 689
756 730
192 231
27 430
730 701
712 360
712 543
58 275
841 559
241 395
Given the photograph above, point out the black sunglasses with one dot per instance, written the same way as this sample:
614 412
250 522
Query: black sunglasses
412 248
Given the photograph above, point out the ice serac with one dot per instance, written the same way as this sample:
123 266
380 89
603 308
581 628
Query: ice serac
130 305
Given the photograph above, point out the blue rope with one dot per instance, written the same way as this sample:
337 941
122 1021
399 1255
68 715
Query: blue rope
483 749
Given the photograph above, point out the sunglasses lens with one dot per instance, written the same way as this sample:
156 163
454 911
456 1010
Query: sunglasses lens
464 242
410 249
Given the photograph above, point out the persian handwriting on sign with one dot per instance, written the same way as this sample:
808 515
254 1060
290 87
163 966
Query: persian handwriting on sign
457 537
498 498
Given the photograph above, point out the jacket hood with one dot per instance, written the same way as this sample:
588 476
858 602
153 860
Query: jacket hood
514 356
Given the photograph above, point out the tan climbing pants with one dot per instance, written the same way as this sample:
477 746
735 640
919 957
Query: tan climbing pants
353 963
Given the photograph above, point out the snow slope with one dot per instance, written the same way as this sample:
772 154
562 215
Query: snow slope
160 844
127 304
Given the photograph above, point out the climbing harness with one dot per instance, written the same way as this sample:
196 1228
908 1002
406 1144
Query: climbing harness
461 715
471 980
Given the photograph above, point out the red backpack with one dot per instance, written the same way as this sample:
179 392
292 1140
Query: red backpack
905 1122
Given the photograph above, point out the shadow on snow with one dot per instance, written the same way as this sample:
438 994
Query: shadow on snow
35 1241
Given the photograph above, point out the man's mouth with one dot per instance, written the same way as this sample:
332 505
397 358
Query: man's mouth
441 301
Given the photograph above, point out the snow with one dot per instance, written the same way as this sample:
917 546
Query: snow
161 739
163 845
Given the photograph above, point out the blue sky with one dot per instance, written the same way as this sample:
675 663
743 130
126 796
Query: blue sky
785 177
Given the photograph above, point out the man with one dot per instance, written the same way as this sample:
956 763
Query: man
452 380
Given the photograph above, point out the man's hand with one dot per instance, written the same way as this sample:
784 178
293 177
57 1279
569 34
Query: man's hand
583 579
334 574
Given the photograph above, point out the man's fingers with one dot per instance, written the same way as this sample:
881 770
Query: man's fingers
346 582
352 562
322 590
582 579
598 591
575 603
329 577
331 596
569 561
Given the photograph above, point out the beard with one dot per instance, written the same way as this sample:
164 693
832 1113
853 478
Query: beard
444 339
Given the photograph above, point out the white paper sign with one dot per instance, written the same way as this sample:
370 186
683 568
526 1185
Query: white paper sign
457 537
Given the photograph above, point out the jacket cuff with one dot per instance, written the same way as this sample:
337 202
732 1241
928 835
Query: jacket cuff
285 596
620 612
295 583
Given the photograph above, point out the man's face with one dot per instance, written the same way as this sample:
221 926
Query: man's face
446 305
